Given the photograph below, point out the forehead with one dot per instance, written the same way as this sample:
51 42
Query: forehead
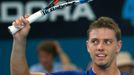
102 33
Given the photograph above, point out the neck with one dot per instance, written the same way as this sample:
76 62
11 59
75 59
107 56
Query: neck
48 68
111 70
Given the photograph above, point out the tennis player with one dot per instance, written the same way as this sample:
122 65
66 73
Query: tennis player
103 44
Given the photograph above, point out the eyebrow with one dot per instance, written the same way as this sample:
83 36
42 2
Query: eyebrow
101 39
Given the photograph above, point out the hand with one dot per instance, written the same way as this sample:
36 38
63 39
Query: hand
24 26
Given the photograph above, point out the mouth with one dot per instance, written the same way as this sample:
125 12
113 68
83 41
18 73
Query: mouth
101 56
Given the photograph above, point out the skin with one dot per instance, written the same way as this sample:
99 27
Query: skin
103 48
46 59
18 63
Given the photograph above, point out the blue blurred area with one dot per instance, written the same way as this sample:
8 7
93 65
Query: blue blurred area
74 47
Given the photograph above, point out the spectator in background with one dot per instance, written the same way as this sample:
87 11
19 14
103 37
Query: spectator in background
47 52
125 62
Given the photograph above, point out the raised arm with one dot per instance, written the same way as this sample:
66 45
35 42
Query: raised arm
18 63
67 65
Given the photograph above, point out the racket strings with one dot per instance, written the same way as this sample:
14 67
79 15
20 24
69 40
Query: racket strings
55 2
52 3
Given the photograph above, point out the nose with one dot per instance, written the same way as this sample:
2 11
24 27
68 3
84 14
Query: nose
100 47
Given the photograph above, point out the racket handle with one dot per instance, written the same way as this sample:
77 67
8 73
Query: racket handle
31 19
35 16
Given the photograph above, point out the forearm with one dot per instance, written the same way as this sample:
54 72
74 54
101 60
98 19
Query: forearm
18 60
64 58
67 65
18 64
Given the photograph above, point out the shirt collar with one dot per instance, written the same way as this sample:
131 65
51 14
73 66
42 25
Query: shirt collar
90 72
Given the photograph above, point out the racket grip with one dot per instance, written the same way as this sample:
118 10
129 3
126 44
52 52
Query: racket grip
31 19
12 29
35 16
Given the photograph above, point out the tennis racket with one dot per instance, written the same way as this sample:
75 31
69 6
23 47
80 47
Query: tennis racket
52 6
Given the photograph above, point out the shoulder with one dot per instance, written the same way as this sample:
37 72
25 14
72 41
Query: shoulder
71 72
36 67
57 64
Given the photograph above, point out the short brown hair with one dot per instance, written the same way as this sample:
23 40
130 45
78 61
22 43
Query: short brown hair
105 22
48 46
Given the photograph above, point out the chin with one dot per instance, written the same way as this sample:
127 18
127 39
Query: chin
102 65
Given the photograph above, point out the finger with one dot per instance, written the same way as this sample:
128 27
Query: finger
25 21
19 23
26 16
13 23
22 23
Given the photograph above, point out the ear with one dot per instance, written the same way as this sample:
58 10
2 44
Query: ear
119 45
87 43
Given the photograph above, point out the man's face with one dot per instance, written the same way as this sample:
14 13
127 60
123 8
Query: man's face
103 46
45 58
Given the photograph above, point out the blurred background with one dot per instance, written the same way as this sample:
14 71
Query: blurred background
68 26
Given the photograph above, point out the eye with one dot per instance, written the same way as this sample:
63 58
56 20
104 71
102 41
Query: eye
108 42
95 41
